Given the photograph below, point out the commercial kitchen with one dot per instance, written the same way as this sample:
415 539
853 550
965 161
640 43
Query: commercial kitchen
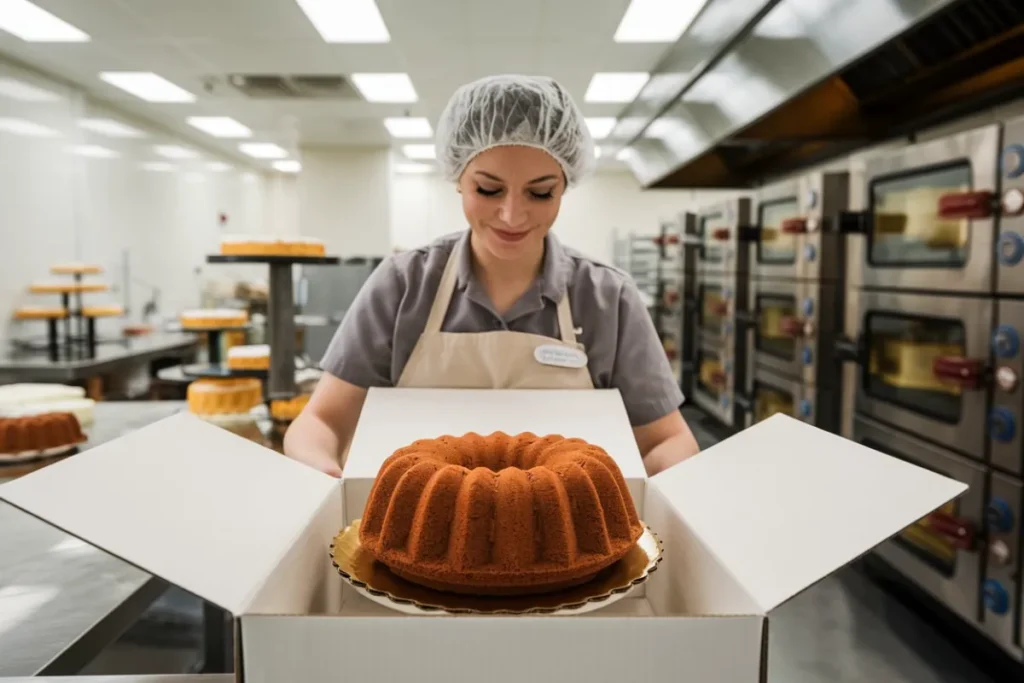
820 203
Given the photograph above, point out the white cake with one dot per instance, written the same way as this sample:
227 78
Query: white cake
250 357
24 400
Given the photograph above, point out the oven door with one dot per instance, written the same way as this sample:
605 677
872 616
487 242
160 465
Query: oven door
922 363
713 383
772 393
716 305
783 331
724 233
928 223
790 242
938 553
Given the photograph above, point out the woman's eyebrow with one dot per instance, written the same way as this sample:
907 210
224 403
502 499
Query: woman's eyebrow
489 175
542 179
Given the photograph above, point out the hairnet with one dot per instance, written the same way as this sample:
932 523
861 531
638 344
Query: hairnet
514 110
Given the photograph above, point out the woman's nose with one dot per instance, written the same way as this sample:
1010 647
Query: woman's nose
513 211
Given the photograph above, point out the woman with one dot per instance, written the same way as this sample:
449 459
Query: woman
471 309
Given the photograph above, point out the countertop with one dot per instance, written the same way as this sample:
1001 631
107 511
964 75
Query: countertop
54 588
37 366
209 678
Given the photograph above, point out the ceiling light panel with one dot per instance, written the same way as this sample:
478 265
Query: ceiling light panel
175 152
288 166
600 127
657 21
33 24
26 128
419 151
161 166
110 128
263 150
615 87
408 127
396 88
220 126
219 167
147 86
94 152
24 92
346 21
414 168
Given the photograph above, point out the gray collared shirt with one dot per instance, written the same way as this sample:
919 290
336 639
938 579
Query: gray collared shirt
377 336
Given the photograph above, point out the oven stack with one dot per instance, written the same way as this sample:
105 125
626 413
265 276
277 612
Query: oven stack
935 316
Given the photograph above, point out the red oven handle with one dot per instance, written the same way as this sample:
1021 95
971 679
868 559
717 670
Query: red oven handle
720 234
671 297
960 532
969 373
718 379
793 226
966 204
793 327
720 308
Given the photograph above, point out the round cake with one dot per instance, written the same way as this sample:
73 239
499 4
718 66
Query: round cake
499 514
265 245
213 318
40 313
217 397
249 357
107 311
286 410
39 433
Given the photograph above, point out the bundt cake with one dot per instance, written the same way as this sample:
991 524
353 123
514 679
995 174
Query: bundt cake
499 514
37 433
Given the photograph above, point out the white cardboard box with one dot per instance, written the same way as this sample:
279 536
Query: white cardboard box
746 525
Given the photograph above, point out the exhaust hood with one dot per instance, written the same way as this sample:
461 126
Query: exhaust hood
757 88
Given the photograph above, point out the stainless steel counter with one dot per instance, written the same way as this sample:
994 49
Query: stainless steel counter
210 678
62 600
37 367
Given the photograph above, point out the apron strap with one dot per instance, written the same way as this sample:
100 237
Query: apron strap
444 292
565 326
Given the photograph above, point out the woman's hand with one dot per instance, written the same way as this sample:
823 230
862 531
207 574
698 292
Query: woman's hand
665 442
322 432
319 460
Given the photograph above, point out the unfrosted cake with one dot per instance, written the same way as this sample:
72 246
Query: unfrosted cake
218 397
75 269
213 318
286 410
499 514
66 287
262 245
249 357
108 311
40 313
46 433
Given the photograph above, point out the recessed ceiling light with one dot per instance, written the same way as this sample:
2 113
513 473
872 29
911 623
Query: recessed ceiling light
175 152
147 86
617 87
263 150
600 127
94 151
419 151
657 21
110 128
408 127
26 128
33 24
24 92
220 126
288 166
157 166
385 87
353 21
219 166
414 168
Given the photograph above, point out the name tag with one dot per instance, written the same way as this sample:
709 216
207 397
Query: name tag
560 356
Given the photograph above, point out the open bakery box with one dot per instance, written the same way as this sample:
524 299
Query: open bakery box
744 527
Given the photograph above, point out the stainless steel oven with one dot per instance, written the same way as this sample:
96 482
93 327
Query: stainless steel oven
725 234
1002 594
791 327
719 297
790 216
715 380
923 363
943 215
769 393
942 552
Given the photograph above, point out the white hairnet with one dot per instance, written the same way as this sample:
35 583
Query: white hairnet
514 110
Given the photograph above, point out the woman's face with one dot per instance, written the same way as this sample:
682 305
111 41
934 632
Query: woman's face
511 195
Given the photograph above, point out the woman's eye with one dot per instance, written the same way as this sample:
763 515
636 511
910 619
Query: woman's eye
487 193
543 195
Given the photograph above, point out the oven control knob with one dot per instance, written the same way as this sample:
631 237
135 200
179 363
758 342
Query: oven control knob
997 600
724 401
804 409
1002 425
1013 161
812 199
1010 248
727 328
1006 341
727 366
1000 516
726 293
808 307
1013 202
1006 379
810 253
999 553
807 355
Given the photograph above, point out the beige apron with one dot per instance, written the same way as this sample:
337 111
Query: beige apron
493 360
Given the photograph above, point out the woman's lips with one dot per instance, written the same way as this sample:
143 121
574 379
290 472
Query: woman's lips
510 236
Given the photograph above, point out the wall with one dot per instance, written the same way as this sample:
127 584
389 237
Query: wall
61 202
424 206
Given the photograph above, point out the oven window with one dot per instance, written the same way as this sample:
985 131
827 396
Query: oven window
901 351
710 374
932 548
907 230
771 311
712 307
713 252
774 246
769 400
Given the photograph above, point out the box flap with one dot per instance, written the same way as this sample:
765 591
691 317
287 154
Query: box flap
784 504
192 503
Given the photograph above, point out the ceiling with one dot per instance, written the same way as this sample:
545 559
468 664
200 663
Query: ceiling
439 43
